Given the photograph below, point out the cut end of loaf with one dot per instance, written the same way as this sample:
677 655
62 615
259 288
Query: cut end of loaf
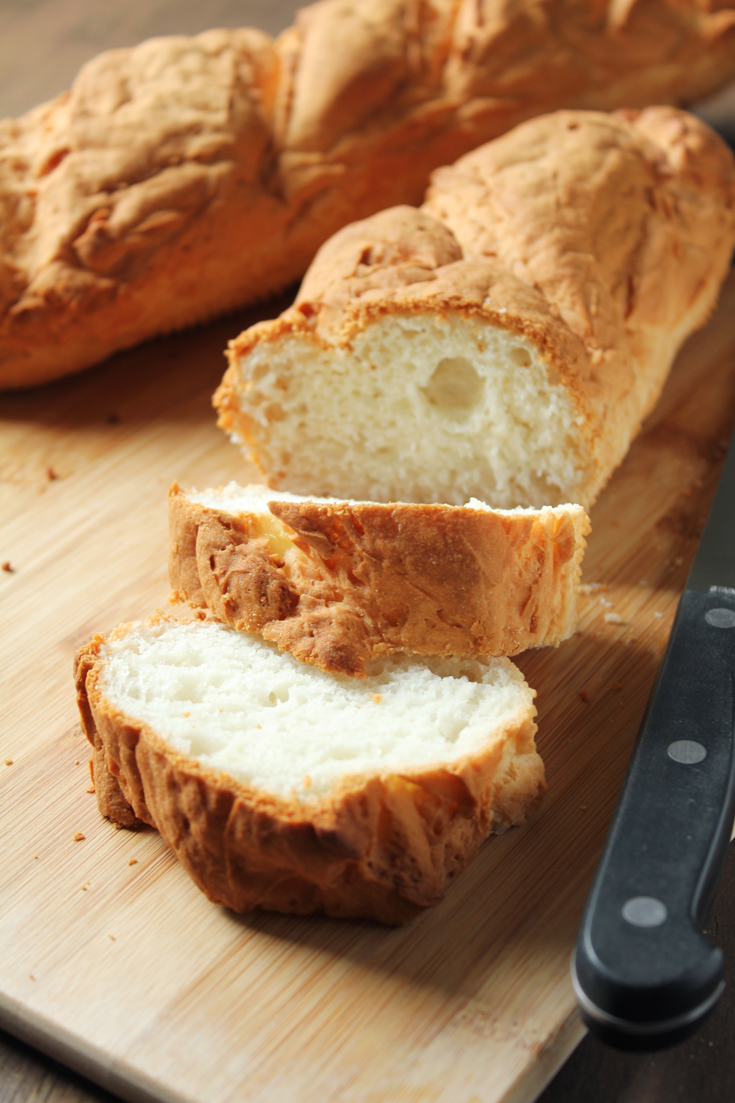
506 339
283 787
422 407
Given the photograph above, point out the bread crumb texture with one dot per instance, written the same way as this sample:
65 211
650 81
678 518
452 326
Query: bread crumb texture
505 340
285 787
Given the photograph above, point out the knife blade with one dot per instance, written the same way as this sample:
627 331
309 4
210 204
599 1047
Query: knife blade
644 974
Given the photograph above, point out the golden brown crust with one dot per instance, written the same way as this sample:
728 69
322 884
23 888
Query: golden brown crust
367 579
110 799
601 239
380 847
186 176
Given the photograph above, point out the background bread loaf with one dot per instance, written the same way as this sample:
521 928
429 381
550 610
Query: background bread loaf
186 176
505 340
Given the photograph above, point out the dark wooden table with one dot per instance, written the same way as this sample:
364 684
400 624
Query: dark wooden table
42 45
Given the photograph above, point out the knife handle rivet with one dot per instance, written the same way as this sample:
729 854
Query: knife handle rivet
720 618
687 751
644 911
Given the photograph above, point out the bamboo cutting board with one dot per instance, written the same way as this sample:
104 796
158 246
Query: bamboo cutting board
111 958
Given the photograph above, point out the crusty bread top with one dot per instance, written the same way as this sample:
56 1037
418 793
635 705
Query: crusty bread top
600 239
581 267
117 197
336 583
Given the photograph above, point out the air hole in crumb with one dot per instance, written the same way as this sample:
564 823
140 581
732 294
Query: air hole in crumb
455 388
279 694
520 356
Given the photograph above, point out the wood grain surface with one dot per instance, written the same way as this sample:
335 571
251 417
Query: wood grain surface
111 959
126 967
111 955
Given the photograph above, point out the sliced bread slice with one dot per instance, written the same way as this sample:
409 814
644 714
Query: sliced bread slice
285 787
338 582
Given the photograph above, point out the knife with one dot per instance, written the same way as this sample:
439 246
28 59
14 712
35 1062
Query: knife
644 974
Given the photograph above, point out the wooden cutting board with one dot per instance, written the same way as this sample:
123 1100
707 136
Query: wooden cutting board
111 958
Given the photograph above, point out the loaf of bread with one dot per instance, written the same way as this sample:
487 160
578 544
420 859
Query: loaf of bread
505 340
337 583
188 176
281 786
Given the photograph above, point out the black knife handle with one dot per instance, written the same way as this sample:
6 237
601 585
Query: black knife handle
644 974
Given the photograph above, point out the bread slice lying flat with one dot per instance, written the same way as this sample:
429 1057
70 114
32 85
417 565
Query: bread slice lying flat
281 786
505 340
338 582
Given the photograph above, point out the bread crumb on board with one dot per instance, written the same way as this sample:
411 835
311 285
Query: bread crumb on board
8 762
78 836
132 861
592 587
613 618
7 567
